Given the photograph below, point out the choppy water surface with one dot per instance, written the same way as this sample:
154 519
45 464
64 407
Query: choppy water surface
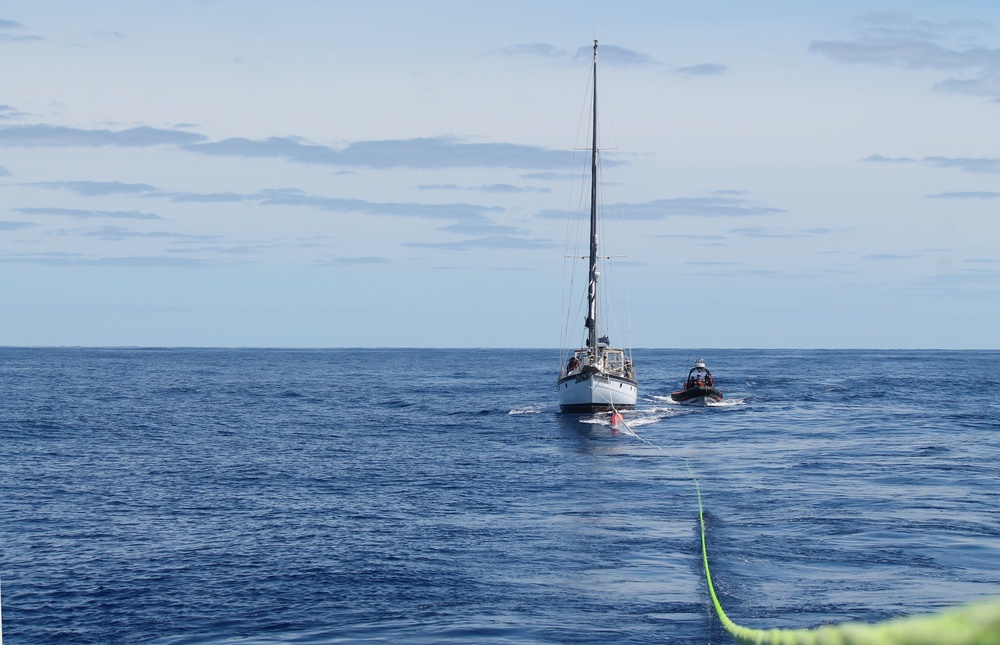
435 496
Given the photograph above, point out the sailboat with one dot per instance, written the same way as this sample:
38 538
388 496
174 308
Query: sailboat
597 377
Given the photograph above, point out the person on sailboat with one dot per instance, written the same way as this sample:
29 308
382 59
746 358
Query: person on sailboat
573 364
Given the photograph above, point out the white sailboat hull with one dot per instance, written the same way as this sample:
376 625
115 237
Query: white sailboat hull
596 392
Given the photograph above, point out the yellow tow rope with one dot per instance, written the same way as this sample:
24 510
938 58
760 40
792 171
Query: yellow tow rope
974 624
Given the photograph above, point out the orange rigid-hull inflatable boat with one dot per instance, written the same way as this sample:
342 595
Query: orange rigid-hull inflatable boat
699 387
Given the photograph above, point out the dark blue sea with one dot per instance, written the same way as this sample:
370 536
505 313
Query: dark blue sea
183 496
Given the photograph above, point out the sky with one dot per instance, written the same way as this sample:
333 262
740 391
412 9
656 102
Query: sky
401 174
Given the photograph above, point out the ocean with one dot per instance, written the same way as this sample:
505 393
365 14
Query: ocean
187 496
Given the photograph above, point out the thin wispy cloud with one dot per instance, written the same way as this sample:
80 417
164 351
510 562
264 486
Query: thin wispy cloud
977 165
225 249
534 49
987 85
900 40
608 54
56 259
887 257
488 188
6 225
829 231
615 56
359 261
105 188
883 159
427 152
770 274
762 232
295 197
691 236
715 206
99 188
711 263
483 227
118 233
547 176
146 262
492 242
76 213
42 135
209 198
974 194
966 164
17 38
913 55
798 233
896 23
45 257
9 112
109 35
14 26
703 69
467 219
510 188
284 197
440 187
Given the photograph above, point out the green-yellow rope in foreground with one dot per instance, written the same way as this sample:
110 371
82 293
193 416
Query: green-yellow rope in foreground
977 624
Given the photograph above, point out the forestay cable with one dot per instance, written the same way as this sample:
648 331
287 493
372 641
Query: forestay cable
973 624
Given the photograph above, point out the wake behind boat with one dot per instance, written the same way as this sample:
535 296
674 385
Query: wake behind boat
699 387
597 377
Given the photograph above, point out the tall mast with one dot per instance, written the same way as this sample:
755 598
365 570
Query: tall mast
592 289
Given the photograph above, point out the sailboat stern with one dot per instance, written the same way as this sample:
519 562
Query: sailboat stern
596 392
603 385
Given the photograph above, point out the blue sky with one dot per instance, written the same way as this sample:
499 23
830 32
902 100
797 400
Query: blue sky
316 174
